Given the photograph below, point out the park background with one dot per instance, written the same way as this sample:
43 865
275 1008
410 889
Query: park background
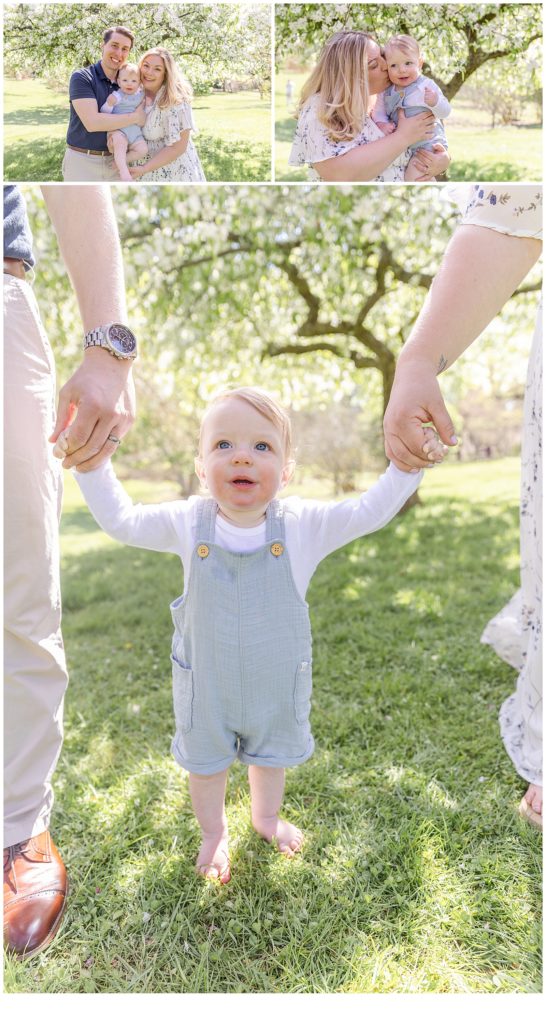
417 874
223 49
486 58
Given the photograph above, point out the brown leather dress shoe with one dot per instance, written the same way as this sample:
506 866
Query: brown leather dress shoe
35 890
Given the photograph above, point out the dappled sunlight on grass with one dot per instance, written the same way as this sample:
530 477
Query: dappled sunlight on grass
416 873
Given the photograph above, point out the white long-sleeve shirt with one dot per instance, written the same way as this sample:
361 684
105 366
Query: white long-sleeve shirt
313 529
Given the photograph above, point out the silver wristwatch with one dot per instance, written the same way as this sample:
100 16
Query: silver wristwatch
115 338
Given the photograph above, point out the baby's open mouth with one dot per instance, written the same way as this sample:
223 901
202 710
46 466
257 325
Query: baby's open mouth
242 481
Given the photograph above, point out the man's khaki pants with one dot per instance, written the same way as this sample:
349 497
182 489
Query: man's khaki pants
35 669
81 167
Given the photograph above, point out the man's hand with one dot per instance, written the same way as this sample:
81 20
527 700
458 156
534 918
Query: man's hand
98 400
415 400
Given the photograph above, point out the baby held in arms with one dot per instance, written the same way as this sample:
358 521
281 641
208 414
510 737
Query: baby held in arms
126 144
412 92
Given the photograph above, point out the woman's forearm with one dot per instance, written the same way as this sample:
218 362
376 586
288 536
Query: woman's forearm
168 153
363 163
480 270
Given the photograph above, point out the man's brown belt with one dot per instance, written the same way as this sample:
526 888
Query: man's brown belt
14 267
90 152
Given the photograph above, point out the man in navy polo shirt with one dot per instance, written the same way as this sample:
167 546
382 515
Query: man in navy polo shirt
87 157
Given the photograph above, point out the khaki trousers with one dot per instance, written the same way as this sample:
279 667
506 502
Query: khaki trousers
35 669
81 167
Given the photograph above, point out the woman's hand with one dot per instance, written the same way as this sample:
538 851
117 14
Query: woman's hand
415 400
431 162
415 129
137 170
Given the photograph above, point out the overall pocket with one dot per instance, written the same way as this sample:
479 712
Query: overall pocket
302 691
182 696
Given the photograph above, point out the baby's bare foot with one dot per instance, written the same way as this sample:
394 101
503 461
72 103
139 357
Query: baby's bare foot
288 838
213 857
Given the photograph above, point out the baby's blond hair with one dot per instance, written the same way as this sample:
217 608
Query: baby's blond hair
128 66
406 44
265 404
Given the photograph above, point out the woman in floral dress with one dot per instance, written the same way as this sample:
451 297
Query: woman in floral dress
336 136
169 123
493 249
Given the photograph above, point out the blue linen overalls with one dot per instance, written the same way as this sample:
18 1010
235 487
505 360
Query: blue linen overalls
241 655
397 96
128 105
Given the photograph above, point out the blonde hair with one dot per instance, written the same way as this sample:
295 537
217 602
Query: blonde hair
406 44
176 88
262 402
340 79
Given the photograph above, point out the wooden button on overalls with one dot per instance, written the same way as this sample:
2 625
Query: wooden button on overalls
277 549
202 550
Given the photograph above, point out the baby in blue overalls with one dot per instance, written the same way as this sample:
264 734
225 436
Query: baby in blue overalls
411 92
128 142
241 650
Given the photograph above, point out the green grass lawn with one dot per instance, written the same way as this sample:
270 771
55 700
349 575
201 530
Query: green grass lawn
478 153
234 138
417 874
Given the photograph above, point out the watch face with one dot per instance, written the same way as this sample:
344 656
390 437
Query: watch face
121 339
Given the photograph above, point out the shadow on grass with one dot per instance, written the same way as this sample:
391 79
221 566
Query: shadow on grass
39 160
403 841
230 161
284 130
36 115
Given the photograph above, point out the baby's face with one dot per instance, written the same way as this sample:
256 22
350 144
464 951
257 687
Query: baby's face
129 80
402 68
242 460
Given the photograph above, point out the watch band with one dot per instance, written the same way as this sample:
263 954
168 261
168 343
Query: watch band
99 337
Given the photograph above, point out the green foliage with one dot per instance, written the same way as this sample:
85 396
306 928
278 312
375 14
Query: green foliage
456 39
416 876
208 40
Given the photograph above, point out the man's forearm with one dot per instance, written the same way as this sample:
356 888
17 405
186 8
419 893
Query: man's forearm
104 122
481 269
87 232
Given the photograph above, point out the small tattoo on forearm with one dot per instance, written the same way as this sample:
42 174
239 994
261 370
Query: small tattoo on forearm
442 363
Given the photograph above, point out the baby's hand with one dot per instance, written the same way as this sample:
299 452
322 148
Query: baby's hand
61 445
433 447
111 101
387 127
431 96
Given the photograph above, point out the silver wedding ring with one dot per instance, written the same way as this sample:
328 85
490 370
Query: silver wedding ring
114 439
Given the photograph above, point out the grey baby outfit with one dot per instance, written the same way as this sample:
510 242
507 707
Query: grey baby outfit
408 98
241 655
127 104
241 651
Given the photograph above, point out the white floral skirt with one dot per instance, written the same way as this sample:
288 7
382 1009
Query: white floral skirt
515 632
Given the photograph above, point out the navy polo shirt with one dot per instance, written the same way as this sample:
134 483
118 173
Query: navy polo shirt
17 234
88 83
